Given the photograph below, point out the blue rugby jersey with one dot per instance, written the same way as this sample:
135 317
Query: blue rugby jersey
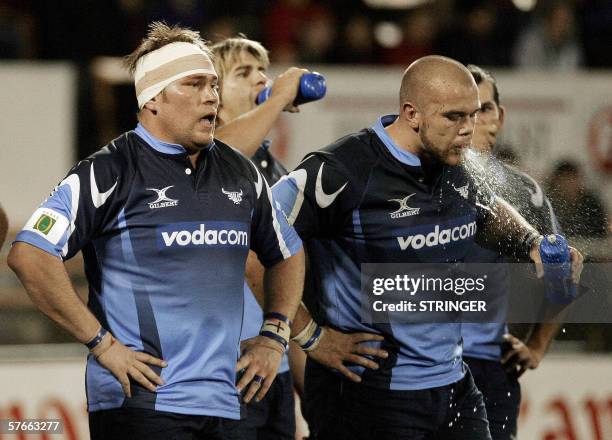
364 200
164 246
484 340
253 314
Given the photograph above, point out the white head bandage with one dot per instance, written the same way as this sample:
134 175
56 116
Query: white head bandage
157 69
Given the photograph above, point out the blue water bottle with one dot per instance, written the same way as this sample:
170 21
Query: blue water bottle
312 87
555 255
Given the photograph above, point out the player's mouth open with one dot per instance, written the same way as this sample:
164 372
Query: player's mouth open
209 119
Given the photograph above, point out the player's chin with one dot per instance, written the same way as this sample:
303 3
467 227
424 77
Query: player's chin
205 137
455 155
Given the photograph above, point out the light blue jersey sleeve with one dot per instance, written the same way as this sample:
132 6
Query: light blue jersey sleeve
273 240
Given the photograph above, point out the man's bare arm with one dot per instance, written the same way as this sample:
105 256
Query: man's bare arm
524 356
335 347
261 355
247 131
48 285
284 284
506 231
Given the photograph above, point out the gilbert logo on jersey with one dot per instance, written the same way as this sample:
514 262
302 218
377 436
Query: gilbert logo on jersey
404 210
162 200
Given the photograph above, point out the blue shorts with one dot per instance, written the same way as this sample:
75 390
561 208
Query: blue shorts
337 408
502 396
271 419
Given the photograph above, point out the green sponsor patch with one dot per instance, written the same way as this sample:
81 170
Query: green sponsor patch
44 224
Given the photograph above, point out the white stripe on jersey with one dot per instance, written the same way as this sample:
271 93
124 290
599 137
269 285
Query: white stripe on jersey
97 197
277 229
300 177
74 183
259 183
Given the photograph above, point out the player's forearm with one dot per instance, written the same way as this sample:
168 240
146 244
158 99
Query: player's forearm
248 131
542 335
255 279
507 231
284 284
48 285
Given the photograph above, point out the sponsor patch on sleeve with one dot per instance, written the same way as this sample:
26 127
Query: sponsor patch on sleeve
47 223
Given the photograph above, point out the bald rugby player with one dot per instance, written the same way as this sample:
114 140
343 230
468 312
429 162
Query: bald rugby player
371 197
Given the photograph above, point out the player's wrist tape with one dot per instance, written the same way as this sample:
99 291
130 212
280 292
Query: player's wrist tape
276 329
275 337
310 336
95 341
276 315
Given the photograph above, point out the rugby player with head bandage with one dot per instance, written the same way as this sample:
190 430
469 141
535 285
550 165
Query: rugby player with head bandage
165 216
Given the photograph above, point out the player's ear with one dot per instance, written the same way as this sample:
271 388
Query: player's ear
152 104
411 114
502 115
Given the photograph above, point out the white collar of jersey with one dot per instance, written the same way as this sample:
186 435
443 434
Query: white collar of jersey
403 156
161 146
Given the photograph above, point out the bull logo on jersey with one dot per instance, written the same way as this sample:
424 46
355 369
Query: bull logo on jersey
404 210
234 196
462 190
162 201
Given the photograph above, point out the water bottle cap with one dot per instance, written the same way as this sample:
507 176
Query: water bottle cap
554 249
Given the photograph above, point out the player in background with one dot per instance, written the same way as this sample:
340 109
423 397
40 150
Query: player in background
3 226
165 216
242 66
373 197
495 370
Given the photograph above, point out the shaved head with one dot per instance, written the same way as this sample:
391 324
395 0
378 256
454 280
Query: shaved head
438 107
432 79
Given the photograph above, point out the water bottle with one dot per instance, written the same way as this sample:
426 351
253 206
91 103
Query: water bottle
555 255
312 87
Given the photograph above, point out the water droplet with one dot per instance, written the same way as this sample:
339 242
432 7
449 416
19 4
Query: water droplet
509 393
474 409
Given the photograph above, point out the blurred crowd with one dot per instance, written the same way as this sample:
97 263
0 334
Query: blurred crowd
544 34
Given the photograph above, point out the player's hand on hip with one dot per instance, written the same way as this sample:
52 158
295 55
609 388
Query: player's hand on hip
520 357
336 348
125 363
260 360
286 86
